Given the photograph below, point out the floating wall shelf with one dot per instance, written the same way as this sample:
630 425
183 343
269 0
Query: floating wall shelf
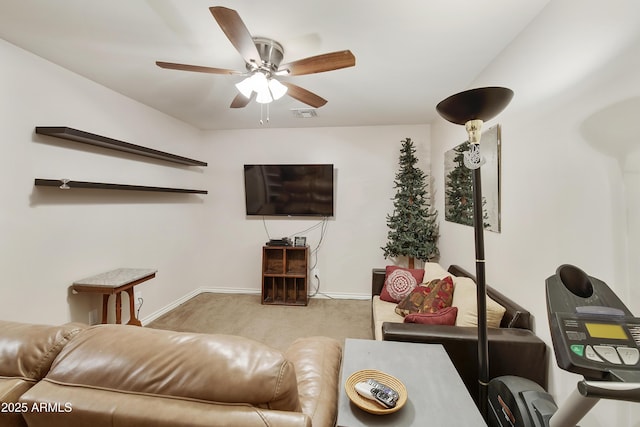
68 184
113 144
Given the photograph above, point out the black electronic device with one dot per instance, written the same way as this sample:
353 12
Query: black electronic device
285 241
289 190
594 334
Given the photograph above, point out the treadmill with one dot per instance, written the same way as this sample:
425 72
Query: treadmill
593 334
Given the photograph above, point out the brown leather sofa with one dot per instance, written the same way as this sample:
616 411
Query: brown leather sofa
113 375
514 349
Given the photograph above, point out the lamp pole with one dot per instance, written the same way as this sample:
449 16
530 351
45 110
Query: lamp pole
471 108
481 290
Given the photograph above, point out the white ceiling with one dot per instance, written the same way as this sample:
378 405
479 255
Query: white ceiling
410 54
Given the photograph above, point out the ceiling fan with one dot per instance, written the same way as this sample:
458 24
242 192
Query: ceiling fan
263 57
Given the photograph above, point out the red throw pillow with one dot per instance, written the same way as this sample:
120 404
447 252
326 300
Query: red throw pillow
428 297
399 282
446 316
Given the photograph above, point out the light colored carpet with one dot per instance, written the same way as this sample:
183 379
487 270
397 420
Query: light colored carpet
275 325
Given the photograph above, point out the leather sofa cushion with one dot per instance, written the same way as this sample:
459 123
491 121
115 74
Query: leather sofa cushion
211 368
383 311
27 351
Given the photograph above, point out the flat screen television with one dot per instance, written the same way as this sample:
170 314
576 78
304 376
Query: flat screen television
289 189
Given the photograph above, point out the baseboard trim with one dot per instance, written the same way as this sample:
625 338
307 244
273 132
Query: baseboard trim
164 310
341 296
167 308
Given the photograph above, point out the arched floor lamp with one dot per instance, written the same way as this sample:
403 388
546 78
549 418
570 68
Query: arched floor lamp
471 108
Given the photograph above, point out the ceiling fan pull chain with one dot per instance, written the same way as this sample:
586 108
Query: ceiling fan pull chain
261 113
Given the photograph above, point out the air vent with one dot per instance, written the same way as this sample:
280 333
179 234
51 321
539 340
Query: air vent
304 113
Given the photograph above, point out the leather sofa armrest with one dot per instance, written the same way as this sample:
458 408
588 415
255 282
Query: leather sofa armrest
317 362
378 276
512 351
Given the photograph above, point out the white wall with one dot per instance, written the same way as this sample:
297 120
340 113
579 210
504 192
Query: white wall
366 161
50 238
565 196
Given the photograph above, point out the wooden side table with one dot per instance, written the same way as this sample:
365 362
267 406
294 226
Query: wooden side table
116 282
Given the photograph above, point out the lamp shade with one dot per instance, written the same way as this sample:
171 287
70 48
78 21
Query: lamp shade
245 87
277 89
475 104
264 96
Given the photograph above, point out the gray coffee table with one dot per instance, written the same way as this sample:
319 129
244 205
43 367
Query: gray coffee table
436 394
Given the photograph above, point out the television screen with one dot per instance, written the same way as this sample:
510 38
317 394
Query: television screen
291 190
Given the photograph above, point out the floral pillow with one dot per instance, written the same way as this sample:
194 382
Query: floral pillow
428 297
446 316
399 282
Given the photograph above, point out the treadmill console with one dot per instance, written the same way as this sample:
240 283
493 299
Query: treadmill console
596 345
594 334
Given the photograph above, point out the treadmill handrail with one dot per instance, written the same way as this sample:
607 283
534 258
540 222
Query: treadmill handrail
610 390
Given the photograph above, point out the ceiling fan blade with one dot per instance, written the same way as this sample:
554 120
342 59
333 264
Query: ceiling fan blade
196 68
237 33
240 101
303 95
321 63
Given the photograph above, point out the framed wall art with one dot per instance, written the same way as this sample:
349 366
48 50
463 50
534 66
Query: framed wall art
458 198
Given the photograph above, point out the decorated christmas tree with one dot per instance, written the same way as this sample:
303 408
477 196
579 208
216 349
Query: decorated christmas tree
413 231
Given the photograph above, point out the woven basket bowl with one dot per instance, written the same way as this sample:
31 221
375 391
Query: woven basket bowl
369 405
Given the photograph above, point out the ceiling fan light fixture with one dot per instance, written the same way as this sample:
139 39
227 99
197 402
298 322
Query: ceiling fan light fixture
266 89
278 90
264 97
245 87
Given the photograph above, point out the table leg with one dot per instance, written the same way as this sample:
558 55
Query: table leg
118 307
105 306
133 320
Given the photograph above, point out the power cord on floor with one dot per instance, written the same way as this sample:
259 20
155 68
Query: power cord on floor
315 276
317 291
140 302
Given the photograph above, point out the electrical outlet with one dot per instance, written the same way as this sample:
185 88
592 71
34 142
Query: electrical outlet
93 317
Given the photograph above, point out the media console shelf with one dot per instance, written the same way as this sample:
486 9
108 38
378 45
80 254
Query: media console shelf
66 184
113 144
285 275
